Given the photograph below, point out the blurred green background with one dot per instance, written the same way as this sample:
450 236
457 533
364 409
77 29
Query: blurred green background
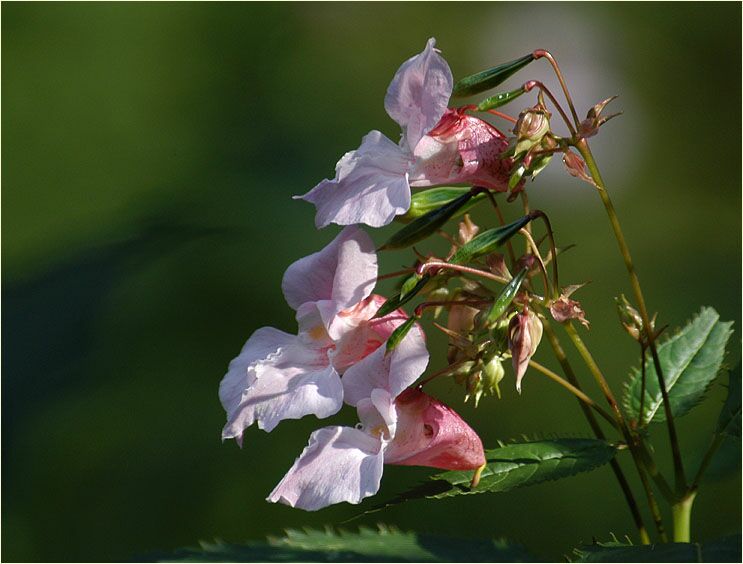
150 152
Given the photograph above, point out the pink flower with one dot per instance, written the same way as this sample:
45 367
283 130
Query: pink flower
280 376
399 425
438 146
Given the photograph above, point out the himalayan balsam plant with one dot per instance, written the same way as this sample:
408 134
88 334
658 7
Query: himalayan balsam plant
497 295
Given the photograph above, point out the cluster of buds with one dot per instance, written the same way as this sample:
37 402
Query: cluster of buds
533 146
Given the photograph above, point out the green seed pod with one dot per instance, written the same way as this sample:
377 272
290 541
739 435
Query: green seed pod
485 80
488 241
427 224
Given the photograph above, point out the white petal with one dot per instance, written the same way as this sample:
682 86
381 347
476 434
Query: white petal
344 272
378 414
370 186
392 372
293 382
339 464
419 92
264 343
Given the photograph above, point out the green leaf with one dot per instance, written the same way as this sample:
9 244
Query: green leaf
499 100
485 80
427 201
488 241
690 360
729 421
384 544
723 550
515 466
426 225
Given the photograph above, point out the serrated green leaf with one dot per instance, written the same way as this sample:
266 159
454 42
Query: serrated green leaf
485 80
722 550
514 466
690 360
384 544
729 420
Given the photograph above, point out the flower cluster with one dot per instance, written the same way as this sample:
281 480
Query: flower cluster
356 348
280 376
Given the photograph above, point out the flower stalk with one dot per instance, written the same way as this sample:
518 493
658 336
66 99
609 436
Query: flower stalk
585 151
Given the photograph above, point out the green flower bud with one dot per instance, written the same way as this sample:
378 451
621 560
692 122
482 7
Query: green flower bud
492 374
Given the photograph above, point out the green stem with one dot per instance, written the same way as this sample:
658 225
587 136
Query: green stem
575 391
706 462
681 512
636 456
678 466
596 428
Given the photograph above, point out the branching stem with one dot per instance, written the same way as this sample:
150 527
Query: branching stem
678 467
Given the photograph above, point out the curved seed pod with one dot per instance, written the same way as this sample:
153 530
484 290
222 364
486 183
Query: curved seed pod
399 333
500 99
485 80
505 298
488 241
427 224
403 297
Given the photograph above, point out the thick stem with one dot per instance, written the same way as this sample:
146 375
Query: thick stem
596 428
678 466
681 512
633 447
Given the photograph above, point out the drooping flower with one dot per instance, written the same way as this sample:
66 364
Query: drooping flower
398 425
280 376
438 146
524 335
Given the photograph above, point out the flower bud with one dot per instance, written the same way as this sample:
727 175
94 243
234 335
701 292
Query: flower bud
462 372
532 126
474 387
525 333
630 318
492 374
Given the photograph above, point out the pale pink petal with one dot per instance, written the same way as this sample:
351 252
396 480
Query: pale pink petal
358 335
419 92
378 414
294 381
431 434
370 186
264 343
339 464
392 371
344 272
